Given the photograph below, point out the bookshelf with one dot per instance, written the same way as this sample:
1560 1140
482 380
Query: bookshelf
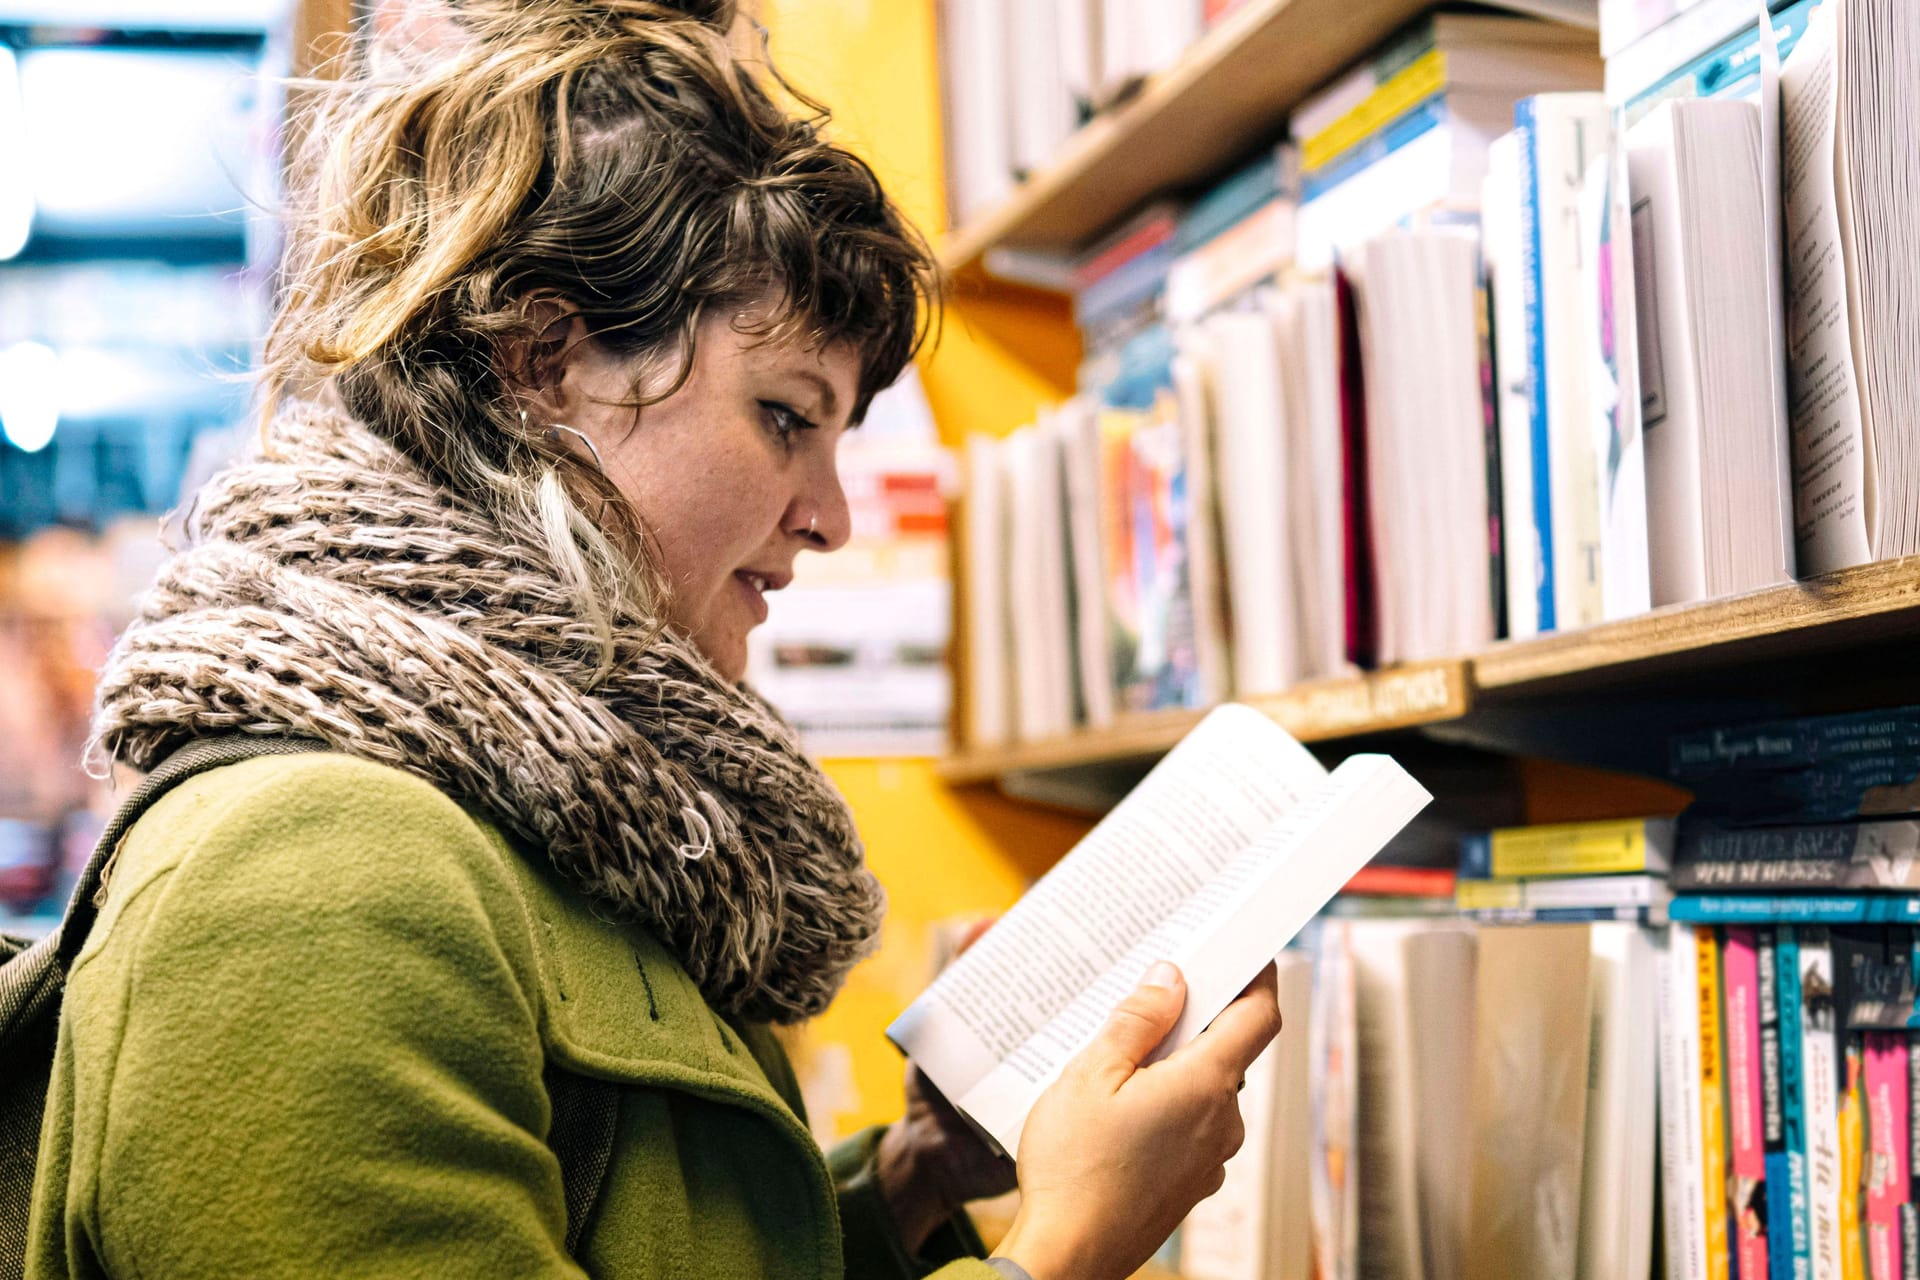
1227 93
1822 621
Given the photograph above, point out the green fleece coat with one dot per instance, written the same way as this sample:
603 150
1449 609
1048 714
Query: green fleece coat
307 1037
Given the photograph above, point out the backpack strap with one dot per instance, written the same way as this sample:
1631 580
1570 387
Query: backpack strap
32 980
197 757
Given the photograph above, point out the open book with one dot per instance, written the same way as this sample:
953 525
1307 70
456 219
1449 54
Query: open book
1214 862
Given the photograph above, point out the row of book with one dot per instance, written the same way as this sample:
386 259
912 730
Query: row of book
1447 1100
1569 1100
1475 354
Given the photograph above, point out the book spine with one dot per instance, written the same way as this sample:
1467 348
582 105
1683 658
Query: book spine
1888 1126
1793 1107
1910 1202
1565 915
1361 617
1793 744
1713 1130
1236 197
1406 882
1421 120
1773 1130
1490 428
1853 1144
1412 85
1868 787
1853 855
1754 908
1576 849
1746 1107
1820 1111
1532 296
1681 1173
1476 856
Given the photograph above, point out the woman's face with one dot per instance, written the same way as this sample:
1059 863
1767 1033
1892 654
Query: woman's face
735 473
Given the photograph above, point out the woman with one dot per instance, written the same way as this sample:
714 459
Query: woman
573 328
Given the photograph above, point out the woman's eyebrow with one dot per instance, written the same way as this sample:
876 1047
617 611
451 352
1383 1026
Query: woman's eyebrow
829 401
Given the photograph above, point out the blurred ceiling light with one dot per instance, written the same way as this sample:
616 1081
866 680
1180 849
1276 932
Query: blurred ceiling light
29 394
16 190
143 15
133 141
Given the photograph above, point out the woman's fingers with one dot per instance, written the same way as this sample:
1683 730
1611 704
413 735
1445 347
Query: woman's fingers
1138 1024
1245 1027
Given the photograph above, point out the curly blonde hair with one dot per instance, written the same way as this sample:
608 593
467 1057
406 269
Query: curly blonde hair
618 157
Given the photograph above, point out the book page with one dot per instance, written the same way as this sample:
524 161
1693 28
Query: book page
1832 469
1224 784
1224 933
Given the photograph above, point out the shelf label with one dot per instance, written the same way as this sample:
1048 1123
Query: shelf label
1380 701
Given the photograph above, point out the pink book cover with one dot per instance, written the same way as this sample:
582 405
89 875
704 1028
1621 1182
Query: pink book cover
1888 1124
1747 1157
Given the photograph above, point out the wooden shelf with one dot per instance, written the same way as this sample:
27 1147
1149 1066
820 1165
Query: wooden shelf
1853 607
1230 91
1857 610
1321 710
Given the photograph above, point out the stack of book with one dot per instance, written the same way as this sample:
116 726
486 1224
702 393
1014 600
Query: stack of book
1814 819
1565 872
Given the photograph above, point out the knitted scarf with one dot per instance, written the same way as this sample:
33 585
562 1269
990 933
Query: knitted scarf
331 590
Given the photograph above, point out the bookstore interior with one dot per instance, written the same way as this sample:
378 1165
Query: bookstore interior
1429 491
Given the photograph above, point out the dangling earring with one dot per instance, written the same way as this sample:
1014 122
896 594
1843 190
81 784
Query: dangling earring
553 433
553 437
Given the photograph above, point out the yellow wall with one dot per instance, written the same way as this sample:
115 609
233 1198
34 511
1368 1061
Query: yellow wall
942 854
873 63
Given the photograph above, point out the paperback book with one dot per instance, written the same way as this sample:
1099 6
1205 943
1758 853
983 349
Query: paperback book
1214 862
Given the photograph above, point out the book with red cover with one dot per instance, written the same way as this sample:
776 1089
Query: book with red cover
1142 233
1402 882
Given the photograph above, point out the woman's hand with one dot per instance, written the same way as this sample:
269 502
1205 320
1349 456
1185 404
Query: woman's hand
1114 1154
932 1162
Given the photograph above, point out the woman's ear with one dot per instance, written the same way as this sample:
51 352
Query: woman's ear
534 368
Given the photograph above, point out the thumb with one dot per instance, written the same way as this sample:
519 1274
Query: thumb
1139 1023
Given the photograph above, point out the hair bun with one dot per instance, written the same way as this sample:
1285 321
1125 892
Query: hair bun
515 18
718 14
715 13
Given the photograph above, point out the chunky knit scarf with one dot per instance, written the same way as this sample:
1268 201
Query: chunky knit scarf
333 591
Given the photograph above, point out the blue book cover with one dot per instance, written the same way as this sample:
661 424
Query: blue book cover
1532 290
1730 69
1759 908
1476 856
1229 201
1839 791
1138 281
1772 1118
1794 1228
1642 914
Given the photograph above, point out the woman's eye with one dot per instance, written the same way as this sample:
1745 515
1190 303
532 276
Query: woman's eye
784 420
